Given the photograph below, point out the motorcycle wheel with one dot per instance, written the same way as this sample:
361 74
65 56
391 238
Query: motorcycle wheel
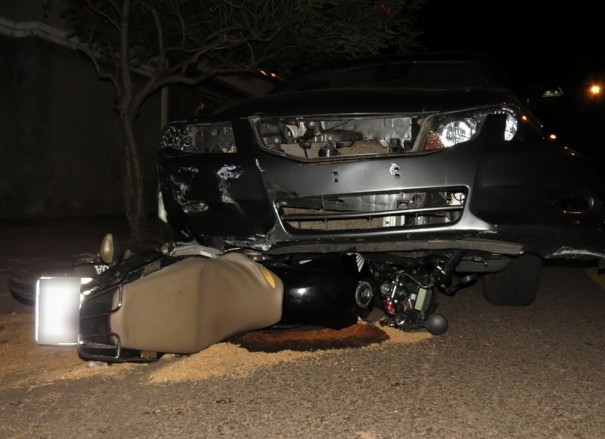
22 280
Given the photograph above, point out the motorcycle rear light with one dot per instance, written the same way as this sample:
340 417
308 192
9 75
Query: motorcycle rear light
57 309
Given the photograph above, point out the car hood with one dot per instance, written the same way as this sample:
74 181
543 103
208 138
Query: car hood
360 101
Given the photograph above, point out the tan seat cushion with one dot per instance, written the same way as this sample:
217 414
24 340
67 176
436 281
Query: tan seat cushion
196 302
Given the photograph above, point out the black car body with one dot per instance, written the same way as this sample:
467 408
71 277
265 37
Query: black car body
428 168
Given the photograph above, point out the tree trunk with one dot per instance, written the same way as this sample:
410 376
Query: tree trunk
134 194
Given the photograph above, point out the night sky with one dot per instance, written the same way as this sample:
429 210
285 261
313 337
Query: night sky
534 41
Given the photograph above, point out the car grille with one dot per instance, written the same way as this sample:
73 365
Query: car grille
402 209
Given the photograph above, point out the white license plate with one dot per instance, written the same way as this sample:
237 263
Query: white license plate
57 310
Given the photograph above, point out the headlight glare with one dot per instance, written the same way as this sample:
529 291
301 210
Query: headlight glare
447 130
457 131
199 138
512 125
175 136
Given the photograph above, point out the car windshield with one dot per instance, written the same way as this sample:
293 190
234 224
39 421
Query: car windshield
411 74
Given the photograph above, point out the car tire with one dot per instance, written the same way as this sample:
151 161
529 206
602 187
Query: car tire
517 284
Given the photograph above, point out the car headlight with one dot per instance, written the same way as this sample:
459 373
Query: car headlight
199 138
457 131
449 129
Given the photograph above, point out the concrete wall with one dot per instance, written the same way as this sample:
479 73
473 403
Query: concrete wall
60 140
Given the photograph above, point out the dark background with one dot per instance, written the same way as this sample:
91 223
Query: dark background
535 41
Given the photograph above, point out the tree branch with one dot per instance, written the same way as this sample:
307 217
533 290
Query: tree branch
105 15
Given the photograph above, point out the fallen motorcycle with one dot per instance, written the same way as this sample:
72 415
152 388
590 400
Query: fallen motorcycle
182 301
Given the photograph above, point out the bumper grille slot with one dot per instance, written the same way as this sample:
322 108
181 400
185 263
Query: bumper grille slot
406 209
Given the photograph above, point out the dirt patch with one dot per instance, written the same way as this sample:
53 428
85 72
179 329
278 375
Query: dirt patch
227 359
309 338
23 363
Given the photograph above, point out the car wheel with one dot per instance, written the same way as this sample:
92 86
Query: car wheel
517 284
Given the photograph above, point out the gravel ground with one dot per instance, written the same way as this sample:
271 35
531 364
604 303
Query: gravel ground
531 372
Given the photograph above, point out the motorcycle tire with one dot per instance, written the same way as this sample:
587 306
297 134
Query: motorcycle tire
22 280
